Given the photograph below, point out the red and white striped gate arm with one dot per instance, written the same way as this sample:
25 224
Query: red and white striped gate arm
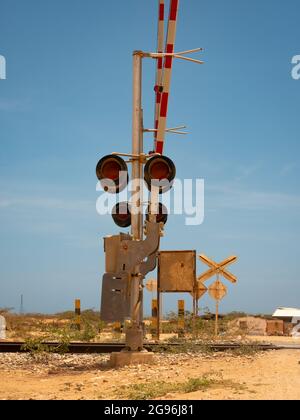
159 70
167 74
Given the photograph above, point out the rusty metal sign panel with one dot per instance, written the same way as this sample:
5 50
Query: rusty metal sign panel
217 290
115 304
201 289
177 271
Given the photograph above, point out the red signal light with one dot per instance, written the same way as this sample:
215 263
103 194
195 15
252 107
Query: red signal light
162 215
160 171
109 170
121 215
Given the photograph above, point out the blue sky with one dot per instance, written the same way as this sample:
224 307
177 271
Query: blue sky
67 102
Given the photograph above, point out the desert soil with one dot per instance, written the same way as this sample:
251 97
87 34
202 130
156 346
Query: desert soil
273 375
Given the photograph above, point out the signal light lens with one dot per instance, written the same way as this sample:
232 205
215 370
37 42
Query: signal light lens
160 171
112 172
121 215
162 215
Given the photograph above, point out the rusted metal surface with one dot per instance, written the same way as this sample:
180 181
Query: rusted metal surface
217 290
112 245
115 297
200 290
181 318
124 254
154 319
89 348
177 271
218 268
121 291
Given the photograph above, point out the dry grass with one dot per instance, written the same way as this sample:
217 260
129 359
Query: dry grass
53 327
152 390
35 328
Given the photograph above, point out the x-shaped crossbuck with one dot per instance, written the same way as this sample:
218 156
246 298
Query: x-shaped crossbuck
217 269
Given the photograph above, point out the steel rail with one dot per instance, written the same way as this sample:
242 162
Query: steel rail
101 348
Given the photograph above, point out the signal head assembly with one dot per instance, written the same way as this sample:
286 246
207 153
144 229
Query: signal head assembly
160 172
121 215
112 172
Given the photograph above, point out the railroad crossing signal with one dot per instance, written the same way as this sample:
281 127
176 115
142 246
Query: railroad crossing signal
197 294
151 285
112 172
217 290
201 290
130 257
216 268
159 172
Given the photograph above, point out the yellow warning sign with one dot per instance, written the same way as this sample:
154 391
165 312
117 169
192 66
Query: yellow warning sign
217 290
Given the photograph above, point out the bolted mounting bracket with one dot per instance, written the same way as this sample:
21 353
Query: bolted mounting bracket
123 255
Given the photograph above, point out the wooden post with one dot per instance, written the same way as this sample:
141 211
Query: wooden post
194 313
78 314
159 310
217 319
154 320
181 318
194 304
117 327
117 330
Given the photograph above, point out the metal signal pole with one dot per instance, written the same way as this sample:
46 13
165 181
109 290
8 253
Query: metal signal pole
135 334
137 148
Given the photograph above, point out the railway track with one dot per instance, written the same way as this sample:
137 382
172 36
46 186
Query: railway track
100 348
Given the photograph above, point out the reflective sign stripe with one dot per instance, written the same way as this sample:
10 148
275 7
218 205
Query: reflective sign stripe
166 79
159 70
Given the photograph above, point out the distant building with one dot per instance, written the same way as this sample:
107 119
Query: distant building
291 315
2 328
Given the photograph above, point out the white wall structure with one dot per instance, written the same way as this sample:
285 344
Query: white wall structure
2 328
296 331
291 314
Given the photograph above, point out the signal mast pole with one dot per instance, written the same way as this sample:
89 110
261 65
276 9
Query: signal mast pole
137 149
129 258
135 334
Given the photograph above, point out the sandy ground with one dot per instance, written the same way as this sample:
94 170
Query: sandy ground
271 375
277 340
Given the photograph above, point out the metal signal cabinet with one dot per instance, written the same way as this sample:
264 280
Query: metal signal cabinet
176 271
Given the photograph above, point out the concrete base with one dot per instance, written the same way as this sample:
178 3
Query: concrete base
126 358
